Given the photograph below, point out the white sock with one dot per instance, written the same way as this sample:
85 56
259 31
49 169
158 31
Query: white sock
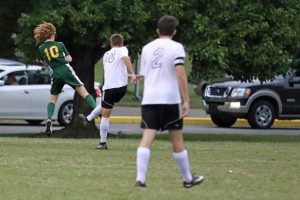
182 161
96 112
142 159
104 127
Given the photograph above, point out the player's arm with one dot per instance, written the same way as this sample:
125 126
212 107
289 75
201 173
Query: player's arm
41 61
68 58
67 55
129 67
183 85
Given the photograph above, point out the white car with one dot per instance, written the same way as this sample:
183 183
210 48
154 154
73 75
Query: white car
25 92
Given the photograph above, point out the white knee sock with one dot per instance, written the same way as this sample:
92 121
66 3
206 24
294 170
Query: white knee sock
94 113
104 127
142 159
182 161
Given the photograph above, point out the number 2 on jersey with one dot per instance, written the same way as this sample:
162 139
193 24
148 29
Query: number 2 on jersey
158 54
51 52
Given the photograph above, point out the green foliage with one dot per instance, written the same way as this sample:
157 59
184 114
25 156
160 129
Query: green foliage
242 38
10 11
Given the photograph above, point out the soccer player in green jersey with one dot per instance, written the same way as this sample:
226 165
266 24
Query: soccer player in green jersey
56 56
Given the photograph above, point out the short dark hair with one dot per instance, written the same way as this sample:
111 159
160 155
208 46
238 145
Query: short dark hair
116 40
167 25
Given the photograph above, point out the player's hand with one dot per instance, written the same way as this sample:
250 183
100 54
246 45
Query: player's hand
185 109
133 78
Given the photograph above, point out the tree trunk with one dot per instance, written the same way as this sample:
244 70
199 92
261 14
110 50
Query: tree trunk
84 59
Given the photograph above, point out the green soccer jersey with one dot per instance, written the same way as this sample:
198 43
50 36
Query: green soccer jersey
53 53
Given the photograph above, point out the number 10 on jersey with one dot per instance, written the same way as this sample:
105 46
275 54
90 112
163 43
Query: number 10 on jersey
51 52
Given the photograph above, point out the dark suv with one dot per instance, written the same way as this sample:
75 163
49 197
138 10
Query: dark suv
259 103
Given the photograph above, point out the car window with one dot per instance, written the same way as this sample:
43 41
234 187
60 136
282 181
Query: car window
16 78
297 73
39 78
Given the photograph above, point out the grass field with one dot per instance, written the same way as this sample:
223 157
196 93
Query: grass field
235 167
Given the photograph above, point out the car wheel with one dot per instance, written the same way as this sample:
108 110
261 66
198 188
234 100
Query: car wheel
34 122
223 121
65 113
261 115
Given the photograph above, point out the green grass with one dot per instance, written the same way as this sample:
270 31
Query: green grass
129 100
267 167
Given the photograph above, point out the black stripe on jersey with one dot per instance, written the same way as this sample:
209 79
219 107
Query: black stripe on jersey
179 64
179 61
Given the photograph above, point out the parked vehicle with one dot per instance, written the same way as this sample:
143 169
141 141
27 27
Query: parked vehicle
7 62
25 92
259 103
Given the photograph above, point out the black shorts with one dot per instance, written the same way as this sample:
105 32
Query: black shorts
112 96
161 117
69 79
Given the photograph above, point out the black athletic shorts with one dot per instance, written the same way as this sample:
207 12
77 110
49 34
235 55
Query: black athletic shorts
112 96
161 117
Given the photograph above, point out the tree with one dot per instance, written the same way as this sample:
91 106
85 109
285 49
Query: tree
85 28
10 12
244 39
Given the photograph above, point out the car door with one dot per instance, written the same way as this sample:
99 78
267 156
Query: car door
39 91
15 99
292 95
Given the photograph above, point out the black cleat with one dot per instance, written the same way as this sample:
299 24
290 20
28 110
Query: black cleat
140 184
102 146
48 129
84 118
195 181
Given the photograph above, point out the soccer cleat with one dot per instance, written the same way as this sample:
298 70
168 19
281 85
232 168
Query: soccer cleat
140 184
102 146
83 117
48 130
196 180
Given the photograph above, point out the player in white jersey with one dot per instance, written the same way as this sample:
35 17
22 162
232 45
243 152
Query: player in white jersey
162 68
116 63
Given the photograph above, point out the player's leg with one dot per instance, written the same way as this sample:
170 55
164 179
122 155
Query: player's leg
180 155
89 99
143 156
72 80
56 87
104 127
110 97
173 122
149 124
107 103
50 111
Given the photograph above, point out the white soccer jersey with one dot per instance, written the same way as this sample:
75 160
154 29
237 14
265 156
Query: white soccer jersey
115 71
158 62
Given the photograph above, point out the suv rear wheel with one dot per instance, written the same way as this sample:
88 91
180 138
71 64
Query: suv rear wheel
223 121
261 115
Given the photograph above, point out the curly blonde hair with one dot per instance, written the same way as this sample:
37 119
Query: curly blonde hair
43 32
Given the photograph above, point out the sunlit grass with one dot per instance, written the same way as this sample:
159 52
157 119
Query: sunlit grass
43 168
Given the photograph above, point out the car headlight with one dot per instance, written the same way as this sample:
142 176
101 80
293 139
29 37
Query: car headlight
240 92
